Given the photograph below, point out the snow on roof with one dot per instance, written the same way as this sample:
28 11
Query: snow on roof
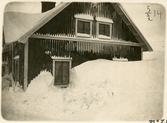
17 24
107 20
59 57
84 16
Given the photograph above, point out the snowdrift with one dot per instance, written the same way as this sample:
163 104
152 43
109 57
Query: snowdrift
99 90
39 84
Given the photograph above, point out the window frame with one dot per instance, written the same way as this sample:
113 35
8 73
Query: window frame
104 36
57 59
106 21
84 18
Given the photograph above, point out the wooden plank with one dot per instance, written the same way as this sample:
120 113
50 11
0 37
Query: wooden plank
26 65
69 49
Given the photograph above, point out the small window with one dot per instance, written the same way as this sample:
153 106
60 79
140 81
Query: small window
104 29
61 71
83 27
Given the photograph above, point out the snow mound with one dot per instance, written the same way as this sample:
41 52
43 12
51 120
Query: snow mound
98 90
40 84
153 55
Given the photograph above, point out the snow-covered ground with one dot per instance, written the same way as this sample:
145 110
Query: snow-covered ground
99 90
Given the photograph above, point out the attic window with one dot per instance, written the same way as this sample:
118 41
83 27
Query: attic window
104 28
83 25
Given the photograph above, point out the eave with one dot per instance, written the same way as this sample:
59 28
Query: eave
80 39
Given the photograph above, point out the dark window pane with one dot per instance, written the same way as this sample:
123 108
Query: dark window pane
65 73
61 75
58 72
104 29
87 31
101 29
66 65
87 27
58 80
107 30
58 65
65 80
83 27
80 26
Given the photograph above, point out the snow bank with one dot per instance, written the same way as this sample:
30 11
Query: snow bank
153 55
39 85
98 90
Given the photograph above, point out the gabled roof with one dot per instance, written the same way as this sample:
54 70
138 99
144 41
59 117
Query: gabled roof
19 26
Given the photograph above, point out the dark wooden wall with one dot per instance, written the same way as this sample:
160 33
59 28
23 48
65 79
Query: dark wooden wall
38 60
19 50
64 22
41 51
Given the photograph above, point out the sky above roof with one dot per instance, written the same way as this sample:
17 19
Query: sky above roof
149 18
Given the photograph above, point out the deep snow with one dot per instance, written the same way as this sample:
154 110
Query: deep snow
99 90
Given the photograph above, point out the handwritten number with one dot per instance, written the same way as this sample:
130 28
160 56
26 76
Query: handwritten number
148 13
156 13
159 13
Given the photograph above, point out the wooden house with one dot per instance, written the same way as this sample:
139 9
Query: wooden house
66 36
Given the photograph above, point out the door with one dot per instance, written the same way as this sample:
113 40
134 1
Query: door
61 76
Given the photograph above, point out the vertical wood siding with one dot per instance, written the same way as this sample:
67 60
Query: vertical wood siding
64 22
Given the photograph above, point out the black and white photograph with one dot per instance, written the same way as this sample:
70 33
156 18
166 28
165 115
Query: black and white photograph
86 61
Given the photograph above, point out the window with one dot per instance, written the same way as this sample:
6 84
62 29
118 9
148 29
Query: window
61 71
104 29
83 25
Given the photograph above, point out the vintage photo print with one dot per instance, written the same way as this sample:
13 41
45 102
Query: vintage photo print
83 61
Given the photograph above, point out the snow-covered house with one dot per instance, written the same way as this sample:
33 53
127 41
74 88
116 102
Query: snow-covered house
66 36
